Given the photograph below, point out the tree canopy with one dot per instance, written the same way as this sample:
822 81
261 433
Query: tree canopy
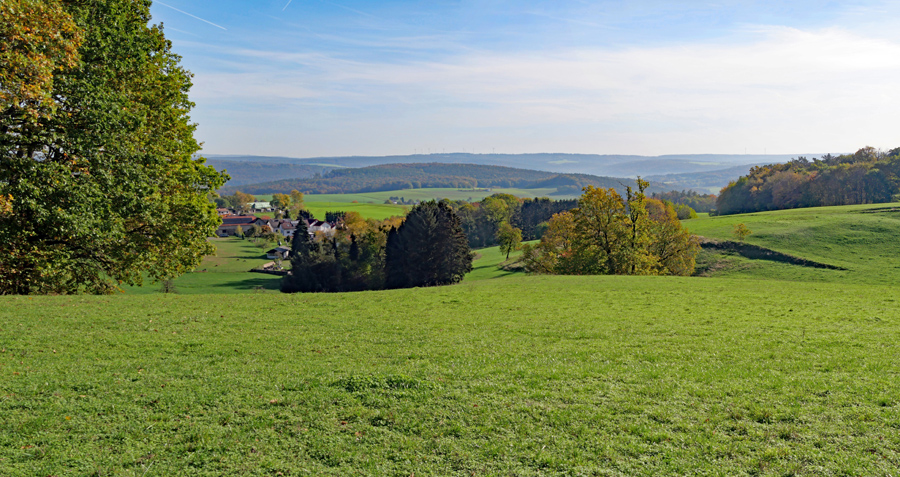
430 248
608 234
868 176
98 166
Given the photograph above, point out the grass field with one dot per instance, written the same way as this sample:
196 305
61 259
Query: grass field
368 211
762 369
226 272
518 376
860 238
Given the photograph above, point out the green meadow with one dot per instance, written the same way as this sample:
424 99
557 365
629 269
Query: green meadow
756 368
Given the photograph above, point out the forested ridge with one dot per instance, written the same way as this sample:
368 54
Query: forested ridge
868 176
434 175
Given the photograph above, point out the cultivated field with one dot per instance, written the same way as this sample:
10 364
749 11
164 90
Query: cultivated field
763 368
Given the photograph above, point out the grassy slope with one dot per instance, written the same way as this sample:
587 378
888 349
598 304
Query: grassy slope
859 238
226 272
785 371
521 376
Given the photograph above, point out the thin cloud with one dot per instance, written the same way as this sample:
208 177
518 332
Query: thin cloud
192 16
286 5
351 9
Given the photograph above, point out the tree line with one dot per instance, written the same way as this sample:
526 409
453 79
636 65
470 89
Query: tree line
865 177
389 177
427 248
689 198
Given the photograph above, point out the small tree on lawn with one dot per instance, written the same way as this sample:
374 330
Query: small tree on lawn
741 232
510 238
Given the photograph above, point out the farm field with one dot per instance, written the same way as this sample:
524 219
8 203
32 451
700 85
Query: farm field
516 376
368 211
371 204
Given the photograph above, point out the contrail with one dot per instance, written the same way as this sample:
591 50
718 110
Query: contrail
285 7
350 9
192 16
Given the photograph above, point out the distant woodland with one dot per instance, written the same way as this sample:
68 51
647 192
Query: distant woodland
389 177
242 173
865 177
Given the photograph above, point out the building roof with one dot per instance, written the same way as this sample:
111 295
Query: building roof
238 220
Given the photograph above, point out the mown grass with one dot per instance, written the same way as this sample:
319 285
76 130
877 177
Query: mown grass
368 211
520 376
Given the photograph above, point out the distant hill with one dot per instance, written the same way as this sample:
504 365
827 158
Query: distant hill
710 182
416 176
596 164
252 172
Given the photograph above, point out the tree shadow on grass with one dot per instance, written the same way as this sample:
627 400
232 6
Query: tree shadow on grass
263 282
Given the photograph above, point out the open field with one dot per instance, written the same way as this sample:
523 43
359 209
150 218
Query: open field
226 272
860 238
368 211
518 376
763 369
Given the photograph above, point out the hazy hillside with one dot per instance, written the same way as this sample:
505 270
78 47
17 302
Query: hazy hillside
597 164
710 181
252 172
417 176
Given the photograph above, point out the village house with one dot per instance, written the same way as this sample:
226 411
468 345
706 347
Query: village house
282 253
287 227
245 222
326 228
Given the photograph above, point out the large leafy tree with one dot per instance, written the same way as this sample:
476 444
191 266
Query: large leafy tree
608 234
97 161
430 248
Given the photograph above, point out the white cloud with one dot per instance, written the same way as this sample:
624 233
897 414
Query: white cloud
793 90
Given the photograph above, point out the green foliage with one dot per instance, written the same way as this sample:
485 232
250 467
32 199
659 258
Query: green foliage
865 177
608 235
38 39
741 232
105 189
509 237
428 249
692 199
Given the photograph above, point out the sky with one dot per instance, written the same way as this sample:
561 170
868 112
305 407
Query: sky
315 78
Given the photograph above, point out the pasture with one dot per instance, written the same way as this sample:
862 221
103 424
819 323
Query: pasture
516 376
762 368
225 272
860 238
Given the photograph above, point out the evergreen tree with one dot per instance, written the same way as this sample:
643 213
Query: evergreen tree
430 248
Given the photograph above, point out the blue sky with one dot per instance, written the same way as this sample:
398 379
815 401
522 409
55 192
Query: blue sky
308 78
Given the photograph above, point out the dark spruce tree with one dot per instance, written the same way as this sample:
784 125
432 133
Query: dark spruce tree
302 276
430 248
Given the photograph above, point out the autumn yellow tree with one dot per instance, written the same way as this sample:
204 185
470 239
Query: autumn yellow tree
607 234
